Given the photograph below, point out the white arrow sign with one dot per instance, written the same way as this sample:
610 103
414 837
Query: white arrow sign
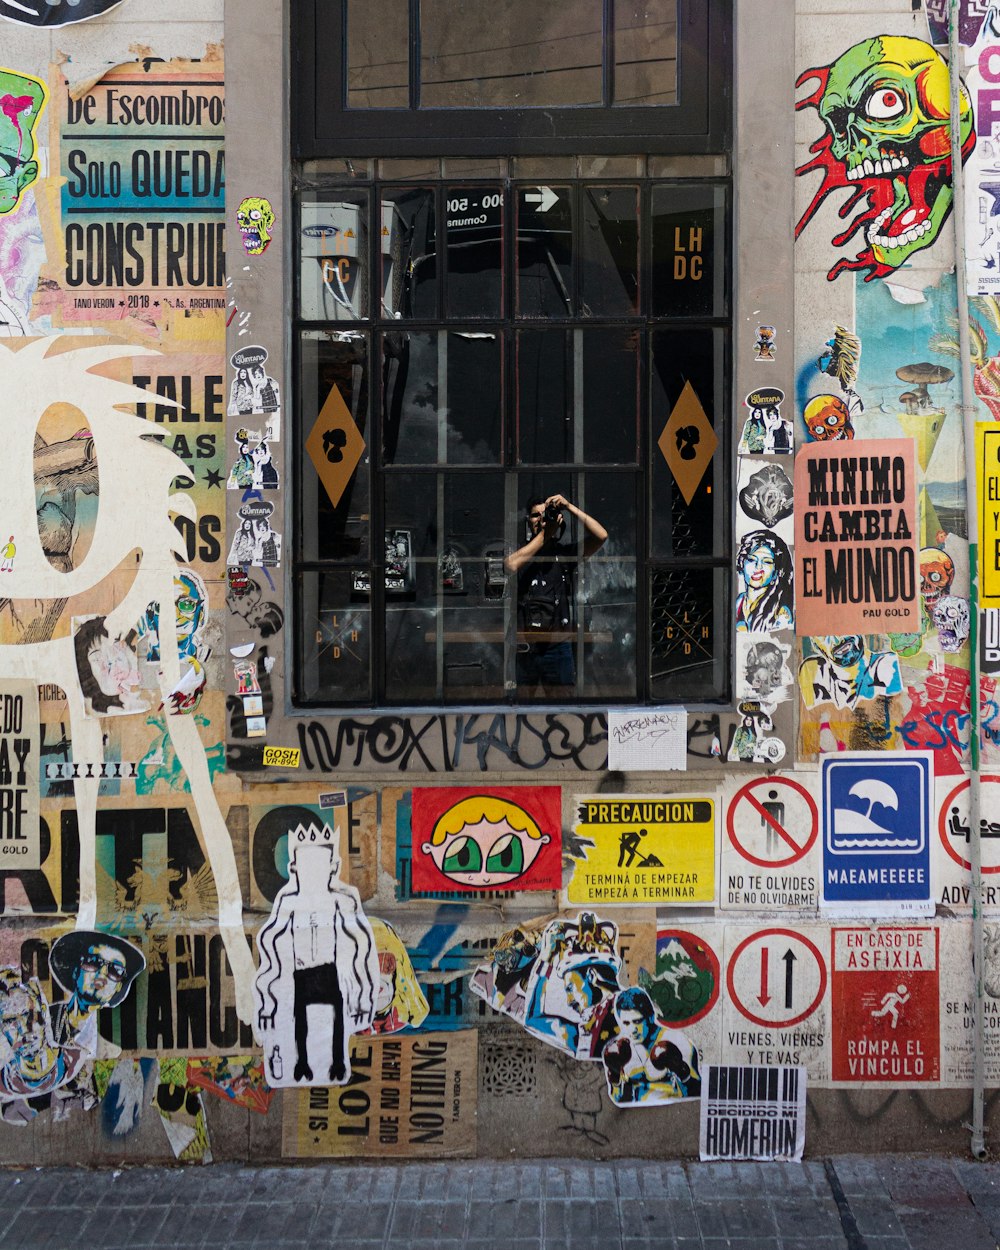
544 197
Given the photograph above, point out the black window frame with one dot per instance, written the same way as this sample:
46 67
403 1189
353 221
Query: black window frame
510 324
324 127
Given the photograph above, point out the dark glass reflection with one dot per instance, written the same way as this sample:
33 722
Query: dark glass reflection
423 426
474 222
689 242
678 528
409 253
545 252
609 277
335 639
688 633
329 532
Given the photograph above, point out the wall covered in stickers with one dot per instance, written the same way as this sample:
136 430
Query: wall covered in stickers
230 929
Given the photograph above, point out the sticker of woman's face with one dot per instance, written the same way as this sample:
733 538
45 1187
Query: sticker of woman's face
115 668
386 984
485 853
758 567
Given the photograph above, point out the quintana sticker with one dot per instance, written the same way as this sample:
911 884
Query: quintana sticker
253 390
317 950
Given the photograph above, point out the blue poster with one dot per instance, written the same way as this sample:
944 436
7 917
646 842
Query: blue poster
876 839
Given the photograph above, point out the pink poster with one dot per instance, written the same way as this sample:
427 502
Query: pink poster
857 570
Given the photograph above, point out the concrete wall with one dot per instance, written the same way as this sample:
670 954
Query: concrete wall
200 809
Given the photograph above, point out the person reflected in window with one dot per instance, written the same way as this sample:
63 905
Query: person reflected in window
546 575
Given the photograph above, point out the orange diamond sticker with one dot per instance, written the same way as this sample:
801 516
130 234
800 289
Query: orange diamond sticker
335 445
688 442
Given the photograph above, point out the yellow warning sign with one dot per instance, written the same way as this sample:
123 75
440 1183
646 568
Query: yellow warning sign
988 499
645 849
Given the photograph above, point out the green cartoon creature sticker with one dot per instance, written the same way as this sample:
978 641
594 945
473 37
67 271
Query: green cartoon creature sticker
885 104
255 218
22 99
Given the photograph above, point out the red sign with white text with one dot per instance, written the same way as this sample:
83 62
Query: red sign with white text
884 1005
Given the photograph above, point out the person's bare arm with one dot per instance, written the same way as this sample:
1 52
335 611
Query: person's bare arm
524 555
595 535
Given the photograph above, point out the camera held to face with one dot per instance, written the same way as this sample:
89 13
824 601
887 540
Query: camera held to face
552 513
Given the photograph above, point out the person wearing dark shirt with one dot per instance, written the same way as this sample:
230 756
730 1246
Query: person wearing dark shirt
546 575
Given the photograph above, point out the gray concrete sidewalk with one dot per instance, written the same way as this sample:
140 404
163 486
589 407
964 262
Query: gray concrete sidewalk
846 1203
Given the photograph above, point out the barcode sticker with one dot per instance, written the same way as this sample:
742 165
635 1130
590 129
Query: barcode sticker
753 1112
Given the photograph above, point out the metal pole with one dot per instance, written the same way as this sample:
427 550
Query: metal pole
977 1144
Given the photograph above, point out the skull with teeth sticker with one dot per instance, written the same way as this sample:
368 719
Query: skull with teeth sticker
885 105
255 217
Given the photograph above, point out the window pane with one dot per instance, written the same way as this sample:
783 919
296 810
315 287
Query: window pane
689 250
544 252
608 588
445 639
460 513
520 54
688 633
335 638
545 433
474 226
442 397
378 63
409 253
333 269
609 278
578 396
645 52
610 363
569 604
687 415
334 531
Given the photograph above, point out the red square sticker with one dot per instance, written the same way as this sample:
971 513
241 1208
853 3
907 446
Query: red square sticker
467 839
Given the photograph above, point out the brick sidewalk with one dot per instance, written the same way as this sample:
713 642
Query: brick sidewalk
846 1203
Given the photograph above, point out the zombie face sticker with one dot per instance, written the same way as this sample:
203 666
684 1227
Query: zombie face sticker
255 218
937 572
22 99
828 418
885 106
951 616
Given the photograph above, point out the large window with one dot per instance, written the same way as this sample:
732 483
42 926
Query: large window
521 76
472 340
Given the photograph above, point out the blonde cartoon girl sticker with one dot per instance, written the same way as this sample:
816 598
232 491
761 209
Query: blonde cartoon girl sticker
508 839
399 1000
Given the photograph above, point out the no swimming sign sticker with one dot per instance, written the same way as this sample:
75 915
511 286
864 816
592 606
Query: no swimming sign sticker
876 844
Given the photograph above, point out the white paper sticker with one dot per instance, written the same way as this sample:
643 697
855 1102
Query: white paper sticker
644 741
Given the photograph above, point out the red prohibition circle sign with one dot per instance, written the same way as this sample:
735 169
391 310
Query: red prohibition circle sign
943 825
762 1020
745 793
